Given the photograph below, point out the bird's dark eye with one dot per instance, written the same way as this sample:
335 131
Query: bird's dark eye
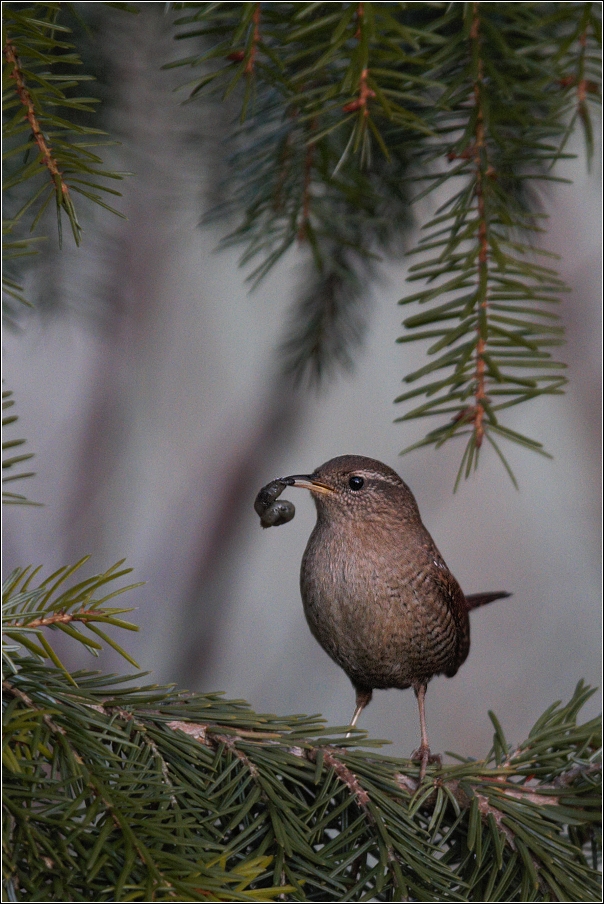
355 483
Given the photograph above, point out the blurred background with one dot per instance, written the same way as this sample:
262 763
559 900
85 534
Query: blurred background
146 382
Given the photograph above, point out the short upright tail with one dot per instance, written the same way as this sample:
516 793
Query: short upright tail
474 600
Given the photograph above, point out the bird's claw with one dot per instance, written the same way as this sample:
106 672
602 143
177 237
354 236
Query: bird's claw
424 757
273 513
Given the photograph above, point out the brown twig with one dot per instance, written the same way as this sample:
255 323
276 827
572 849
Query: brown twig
359 15
59 618
455 788
365 93
249 66
344 773
537 794
142 729
207 734
361 795
480 395
582 85
306 195
567 778
25 97
209 737
485 808
29 703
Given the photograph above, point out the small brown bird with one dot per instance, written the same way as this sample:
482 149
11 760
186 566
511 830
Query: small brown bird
377 593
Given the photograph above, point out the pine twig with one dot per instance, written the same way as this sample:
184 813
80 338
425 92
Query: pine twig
46 154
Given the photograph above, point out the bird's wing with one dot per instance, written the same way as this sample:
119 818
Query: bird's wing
452 595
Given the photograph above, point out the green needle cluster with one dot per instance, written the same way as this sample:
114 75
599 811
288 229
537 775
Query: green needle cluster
341 110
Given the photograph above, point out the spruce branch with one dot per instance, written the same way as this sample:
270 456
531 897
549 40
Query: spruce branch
114 791
49 149
582 56
27 611
195 796
10 471
12 288
255 40
47 158
487 292
297 161
150 792
349 106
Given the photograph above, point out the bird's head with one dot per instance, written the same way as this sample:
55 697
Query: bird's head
357 488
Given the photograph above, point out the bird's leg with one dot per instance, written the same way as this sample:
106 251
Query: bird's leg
423 751
363 698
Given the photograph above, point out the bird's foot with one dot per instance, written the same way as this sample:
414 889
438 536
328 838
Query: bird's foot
423 755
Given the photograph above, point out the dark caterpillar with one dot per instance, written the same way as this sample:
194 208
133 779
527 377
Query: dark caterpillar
273 513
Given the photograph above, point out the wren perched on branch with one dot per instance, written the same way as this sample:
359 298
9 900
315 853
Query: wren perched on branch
377 593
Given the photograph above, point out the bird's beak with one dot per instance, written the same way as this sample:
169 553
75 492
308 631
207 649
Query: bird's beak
307 482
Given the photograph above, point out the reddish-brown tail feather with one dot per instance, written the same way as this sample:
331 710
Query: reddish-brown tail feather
474 600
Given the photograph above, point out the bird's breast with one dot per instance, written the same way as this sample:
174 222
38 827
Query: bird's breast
377 610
